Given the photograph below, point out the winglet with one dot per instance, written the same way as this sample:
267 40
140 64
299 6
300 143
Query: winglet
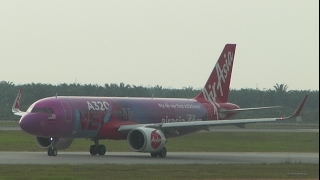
16 105
298 110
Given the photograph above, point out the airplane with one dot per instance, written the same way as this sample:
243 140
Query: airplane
146 123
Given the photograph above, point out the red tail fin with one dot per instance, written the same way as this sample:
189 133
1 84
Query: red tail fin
217 86
16 104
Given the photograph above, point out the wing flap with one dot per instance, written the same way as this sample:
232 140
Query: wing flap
247 109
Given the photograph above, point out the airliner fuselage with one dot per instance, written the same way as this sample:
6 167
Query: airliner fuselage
100 117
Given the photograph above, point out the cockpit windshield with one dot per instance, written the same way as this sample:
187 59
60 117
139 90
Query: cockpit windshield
42 109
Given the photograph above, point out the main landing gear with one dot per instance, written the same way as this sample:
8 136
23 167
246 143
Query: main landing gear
97 149
161 153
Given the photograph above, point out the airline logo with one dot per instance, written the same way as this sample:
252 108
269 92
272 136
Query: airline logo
211 90
155 140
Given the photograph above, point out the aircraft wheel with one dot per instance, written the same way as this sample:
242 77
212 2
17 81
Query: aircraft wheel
154 154
93 150
102 150
50 152
54 152
163 152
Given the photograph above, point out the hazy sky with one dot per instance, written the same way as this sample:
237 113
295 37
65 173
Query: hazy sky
171 43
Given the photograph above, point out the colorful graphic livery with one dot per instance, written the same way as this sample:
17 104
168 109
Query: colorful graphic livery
146 123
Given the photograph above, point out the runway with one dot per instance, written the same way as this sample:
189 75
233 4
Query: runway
128 158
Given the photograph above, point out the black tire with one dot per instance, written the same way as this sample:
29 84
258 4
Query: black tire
102 150
50 152
54 152
93 150
163 152
154 154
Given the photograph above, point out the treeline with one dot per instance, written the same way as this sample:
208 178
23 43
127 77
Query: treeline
275 96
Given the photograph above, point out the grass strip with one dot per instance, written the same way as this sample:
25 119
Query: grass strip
197 142
168 172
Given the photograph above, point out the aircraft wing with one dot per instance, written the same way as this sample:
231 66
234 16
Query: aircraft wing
204 125
16 105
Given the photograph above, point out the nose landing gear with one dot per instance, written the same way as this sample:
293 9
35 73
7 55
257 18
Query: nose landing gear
51 150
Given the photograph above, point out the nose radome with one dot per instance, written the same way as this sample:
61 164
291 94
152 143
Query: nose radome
23 124
27 125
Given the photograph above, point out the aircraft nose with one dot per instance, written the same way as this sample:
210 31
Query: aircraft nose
28 125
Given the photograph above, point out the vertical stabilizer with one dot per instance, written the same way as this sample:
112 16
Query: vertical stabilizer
217 87
16 104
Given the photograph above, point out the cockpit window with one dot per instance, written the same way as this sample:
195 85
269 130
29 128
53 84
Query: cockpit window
48 110
36 110
45 110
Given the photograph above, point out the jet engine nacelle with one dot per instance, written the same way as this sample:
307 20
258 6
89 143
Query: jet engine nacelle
57 143
146 140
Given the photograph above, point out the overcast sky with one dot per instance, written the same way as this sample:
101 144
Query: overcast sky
171 43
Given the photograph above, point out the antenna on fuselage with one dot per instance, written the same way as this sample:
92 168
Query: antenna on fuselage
56 94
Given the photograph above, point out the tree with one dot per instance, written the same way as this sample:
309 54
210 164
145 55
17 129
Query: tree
280 89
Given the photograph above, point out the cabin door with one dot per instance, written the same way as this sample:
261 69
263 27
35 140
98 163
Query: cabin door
67 111
209 108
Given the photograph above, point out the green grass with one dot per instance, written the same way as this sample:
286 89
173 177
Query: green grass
202 141
9 123
197 142
168 172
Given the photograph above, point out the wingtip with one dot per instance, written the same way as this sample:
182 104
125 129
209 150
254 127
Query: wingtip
298 110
